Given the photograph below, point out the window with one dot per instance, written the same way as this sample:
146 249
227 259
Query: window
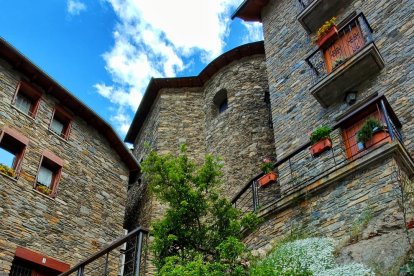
27 99
220 102
48 175
223 106
61 121
354 148
12 148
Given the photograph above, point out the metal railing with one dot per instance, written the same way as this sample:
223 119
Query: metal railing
351 38
299 168
123 257
304 3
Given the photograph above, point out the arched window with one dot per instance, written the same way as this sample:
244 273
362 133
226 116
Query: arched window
220 102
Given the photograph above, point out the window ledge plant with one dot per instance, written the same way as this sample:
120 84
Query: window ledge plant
320 140
269 176
326 32
371 133
7 171
43 189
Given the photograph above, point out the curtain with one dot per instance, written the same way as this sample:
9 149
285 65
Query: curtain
56 126
45 177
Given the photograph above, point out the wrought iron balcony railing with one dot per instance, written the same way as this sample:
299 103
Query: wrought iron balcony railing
351 38
299 168
123 257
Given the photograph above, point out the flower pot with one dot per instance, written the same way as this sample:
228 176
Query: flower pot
327 37
378 138
321 146
267 179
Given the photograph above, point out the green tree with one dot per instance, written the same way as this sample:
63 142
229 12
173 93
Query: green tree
200 232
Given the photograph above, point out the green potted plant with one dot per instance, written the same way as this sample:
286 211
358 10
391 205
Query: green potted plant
326 32
269 176
320 140
371 133
7 171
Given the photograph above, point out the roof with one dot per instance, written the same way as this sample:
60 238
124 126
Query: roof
156 84
250 10
51 87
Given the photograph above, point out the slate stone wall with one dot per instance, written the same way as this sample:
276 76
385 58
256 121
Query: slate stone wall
91 193
241 135
295 111
373 195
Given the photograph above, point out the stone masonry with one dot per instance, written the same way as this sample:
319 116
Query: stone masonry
87 212
241 135
295 111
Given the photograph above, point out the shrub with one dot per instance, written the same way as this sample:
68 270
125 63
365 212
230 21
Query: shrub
312 256
320 133
354 269
367 130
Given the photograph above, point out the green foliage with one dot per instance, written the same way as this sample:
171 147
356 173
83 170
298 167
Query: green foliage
267 166
320 133
360 223
200 231
408 268
367 130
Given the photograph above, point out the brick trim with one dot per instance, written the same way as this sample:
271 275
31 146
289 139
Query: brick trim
42 260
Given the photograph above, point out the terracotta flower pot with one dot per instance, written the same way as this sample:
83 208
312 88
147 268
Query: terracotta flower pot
378 138
321 146
327 37
267 179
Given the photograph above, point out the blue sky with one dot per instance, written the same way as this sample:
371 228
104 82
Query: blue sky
105 51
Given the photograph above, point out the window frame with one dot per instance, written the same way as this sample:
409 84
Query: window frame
57 163
31 93
19 138
220 102
354 124
66 121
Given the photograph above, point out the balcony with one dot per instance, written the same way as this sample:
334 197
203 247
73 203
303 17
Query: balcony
301 175
348 60
121 257
315 12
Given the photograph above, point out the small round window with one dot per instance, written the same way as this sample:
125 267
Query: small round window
220 102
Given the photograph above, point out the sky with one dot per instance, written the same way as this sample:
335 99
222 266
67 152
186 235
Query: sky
105 51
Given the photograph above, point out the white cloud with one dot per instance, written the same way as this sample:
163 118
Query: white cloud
254 31
152 38
75 7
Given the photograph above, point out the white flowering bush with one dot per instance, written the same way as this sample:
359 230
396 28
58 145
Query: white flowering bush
354 269
312 256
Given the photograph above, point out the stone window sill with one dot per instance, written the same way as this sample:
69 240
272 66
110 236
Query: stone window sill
21 112
9 177
42 194
58 136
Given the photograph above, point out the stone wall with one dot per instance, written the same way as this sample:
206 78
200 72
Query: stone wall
241 135
91 193
295 111
371 196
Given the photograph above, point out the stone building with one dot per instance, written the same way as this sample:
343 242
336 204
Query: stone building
224 111
64 173
362 71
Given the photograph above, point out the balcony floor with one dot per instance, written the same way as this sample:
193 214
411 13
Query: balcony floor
347 76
